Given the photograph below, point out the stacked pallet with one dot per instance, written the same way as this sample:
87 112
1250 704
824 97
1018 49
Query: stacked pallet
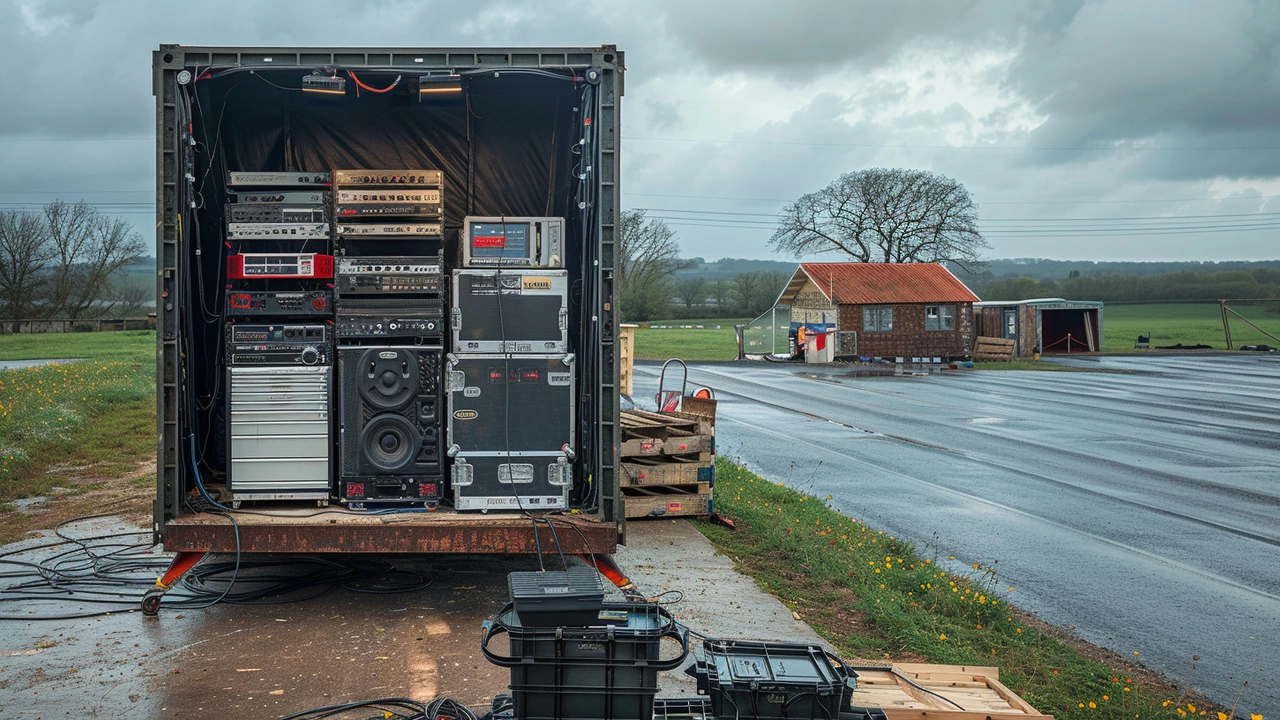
668 461
990 349
912 691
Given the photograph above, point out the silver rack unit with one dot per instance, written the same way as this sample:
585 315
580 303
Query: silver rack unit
279 433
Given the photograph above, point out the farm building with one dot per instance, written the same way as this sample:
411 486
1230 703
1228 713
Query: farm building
884 309
1043 325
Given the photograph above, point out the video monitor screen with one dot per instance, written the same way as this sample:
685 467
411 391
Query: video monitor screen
499 240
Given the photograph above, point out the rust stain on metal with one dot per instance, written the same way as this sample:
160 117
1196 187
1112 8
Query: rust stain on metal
505 536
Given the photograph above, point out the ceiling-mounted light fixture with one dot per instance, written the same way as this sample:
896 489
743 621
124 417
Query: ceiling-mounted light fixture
439 84
327 84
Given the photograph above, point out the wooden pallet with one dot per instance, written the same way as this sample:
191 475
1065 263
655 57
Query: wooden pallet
989 349
976 689
667 500
677 436
667 473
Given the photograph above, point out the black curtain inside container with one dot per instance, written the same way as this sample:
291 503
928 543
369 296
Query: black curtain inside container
508 145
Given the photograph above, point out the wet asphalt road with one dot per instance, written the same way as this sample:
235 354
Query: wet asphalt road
1141 508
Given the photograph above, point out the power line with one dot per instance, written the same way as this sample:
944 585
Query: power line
1029 232
1089 148
1145 218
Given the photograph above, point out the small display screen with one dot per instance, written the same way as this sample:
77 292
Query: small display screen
499 240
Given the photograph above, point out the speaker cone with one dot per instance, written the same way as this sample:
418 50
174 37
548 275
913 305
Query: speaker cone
389 443
388 378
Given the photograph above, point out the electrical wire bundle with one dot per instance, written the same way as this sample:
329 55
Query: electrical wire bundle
398 708
81 576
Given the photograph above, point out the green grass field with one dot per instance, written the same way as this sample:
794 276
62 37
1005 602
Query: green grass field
874 596
1186 323
1168 324
691 343
96 415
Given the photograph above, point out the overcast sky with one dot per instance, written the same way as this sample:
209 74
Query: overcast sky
1054 114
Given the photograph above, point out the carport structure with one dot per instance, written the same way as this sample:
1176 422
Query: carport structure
1042 325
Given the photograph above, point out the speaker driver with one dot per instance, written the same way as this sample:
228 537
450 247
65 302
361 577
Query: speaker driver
389 443
388 378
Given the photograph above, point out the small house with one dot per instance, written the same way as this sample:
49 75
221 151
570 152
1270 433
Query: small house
884 309
1042 325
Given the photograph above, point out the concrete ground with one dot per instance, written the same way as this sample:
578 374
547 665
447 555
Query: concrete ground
264 661
1138 505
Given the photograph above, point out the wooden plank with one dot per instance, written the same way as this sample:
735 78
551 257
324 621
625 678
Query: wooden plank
688 445
665 505
663 474
694 488
1001 342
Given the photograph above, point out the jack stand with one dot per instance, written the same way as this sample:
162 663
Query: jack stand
182 562
605 565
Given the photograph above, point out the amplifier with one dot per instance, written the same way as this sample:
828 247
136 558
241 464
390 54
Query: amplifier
517 311
415 317
401 177
388 230
377 196
274 213
285 345
349 212
277 231
389 274
276 179
279 303
513 242
294 198
261 266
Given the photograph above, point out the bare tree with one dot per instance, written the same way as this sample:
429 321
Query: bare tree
647 255
691 290
885 215
91 248
132 297
720 293
25 254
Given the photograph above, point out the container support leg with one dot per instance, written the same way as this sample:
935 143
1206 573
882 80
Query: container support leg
182 562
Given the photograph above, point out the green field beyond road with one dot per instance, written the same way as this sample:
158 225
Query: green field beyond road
1168 324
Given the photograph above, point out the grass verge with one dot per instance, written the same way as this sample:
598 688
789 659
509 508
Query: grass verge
69 426
1027 365
873 596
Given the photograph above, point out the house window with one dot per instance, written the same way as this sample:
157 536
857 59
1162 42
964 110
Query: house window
877 318
940 317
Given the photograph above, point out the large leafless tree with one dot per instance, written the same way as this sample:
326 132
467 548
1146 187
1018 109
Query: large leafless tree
91 248
648 254
889 215
25 256
691 290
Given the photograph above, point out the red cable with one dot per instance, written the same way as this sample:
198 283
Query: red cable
386 89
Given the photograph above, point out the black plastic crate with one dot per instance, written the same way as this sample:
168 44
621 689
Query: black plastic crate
774 681
608 671
572 597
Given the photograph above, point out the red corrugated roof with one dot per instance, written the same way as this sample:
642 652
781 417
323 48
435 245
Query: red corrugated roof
876 283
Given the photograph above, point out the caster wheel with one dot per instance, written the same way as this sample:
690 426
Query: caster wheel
151 602
235 504
322 503
431 505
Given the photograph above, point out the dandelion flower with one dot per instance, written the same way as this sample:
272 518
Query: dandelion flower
1190 707
943 636
1093 705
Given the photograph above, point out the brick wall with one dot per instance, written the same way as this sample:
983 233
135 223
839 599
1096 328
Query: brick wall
909 338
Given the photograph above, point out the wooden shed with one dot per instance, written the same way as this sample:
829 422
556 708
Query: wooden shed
1042 325
884 309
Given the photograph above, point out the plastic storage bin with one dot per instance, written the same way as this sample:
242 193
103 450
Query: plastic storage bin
774 681
608 671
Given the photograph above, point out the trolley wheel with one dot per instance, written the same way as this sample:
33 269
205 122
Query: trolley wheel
322 503
235 504
431 505
151 602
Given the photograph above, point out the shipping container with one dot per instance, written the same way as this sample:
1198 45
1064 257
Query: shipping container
500 133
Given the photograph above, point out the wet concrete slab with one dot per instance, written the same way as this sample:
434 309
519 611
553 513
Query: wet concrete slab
271 660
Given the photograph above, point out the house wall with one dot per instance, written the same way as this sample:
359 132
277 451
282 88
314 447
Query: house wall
909 338
989 321
811 306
